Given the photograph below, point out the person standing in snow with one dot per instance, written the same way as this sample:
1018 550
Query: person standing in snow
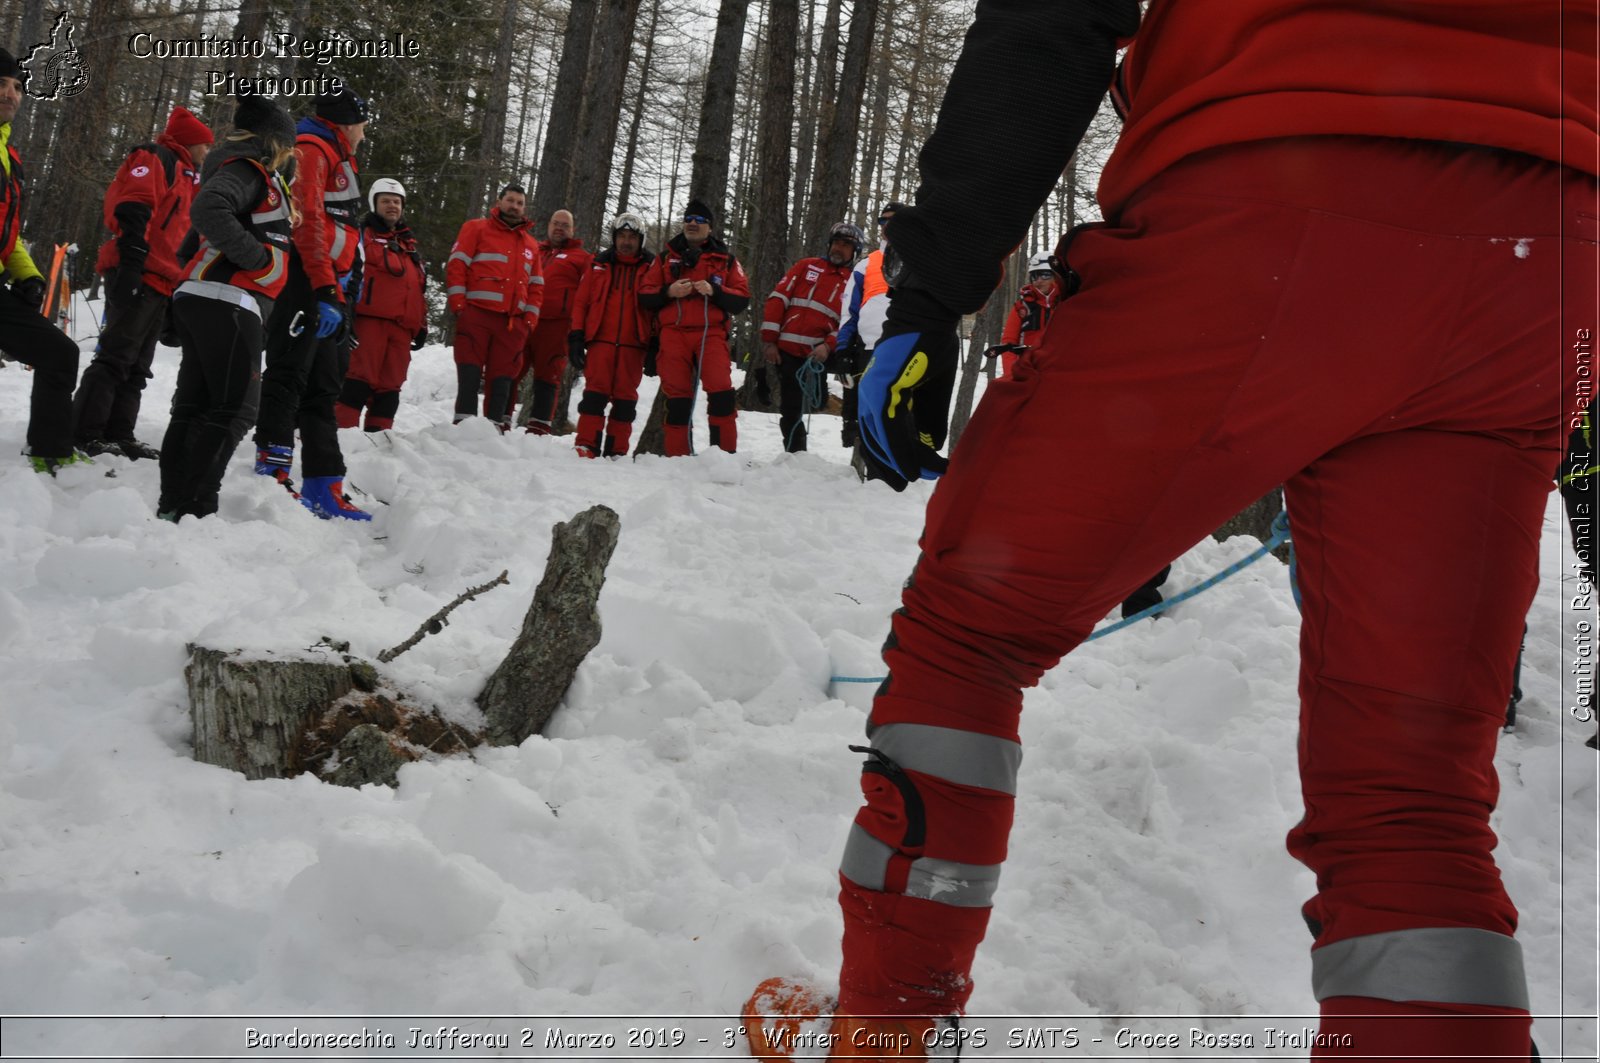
1029 315
1278 295
25 334
147 211
800 323
241 217
494 288
694 289
866 305
564 264
610 336
305 366
391 317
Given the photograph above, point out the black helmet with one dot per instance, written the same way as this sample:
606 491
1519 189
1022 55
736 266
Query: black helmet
846 231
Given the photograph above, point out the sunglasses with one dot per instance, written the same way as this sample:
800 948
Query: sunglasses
696 219
884 220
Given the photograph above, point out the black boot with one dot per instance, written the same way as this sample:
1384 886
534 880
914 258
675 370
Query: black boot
468 377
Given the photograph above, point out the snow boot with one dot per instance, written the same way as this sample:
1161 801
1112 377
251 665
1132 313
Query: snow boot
275 460
784 1016
44 464
324 496
133 449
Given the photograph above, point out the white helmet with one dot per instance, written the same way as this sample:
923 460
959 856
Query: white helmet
384 186
626 221
1039 263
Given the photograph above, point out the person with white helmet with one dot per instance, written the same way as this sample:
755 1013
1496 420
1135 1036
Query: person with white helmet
391 317
610 338
1029 314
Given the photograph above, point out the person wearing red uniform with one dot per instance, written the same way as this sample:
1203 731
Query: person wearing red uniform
494 288
25 334
800 323
565 262
610 336
147 211
308 340
1029 315
391 317
693 289
1303 200
237 256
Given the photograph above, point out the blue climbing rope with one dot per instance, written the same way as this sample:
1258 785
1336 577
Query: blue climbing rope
813 379
1279 536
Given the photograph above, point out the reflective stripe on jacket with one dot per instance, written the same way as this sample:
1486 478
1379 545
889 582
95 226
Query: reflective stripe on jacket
805 308
495 265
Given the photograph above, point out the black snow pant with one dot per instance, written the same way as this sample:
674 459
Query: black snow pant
792 405
221 355
301 381
107 403
27 337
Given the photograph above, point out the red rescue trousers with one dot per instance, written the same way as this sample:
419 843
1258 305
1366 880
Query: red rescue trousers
382 355
682 352
1392 330
490 340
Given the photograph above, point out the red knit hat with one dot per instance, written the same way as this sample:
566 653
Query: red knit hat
186 129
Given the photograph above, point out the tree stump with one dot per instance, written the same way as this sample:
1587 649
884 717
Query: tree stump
249 714
1256 519
561 627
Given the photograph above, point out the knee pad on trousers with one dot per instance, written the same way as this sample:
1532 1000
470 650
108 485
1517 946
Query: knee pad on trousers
680 411
468 379
593 402
355 392
623 411
721 403
497 406
381 410
543 404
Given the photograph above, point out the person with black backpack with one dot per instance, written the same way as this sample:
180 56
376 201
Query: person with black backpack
147 211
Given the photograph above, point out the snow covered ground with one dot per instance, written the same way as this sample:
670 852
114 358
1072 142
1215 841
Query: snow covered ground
673 838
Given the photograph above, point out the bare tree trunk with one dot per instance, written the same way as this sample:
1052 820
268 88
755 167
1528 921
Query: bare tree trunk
602 111
555 158
809 223
638 107
709 178
771 231
492 130
831 188
877 132
809 91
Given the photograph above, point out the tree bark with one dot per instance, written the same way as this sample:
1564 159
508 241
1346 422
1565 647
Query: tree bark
249 714
561 627
709 178
770 236
602 112
555 158
496 94
626 192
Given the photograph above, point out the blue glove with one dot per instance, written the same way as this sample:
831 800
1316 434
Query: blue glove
330 319
904 405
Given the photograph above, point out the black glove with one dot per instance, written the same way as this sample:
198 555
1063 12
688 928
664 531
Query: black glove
577 357
1004 348
420 338
849 359
30 291
124 286
904 396
169 328
650 351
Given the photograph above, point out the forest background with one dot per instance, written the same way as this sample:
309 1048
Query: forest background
786 116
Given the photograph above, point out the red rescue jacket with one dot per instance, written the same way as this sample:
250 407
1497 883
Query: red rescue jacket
711 261
804 309
1029 314
564 268
328 193
607 306
268 222
147 211
392 277
1514 74
495 265
10 204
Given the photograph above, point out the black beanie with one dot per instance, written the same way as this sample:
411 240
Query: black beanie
342 107
268 121
698 207
9 68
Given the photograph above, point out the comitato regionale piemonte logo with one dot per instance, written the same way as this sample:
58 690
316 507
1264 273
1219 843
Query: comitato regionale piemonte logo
55 67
